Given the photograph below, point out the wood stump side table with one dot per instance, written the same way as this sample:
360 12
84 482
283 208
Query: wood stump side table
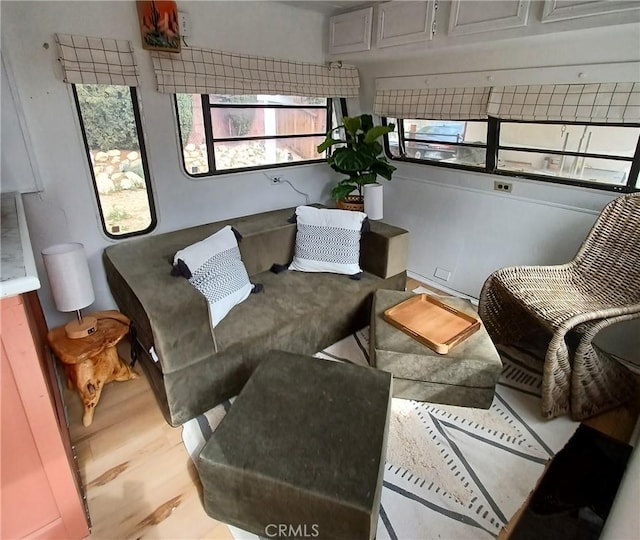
93 361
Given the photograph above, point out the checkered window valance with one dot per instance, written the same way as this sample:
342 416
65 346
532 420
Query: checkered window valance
203 71
91 60
433 103
600 102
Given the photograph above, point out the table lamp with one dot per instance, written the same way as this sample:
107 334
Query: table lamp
68 273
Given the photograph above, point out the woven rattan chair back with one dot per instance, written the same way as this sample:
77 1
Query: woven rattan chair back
609 258
573 302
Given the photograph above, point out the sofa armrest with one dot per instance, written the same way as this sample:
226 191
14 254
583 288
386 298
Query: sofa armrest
384 250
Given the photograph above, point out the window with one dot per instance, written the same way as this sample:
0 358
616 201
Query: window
603 156
222 133
110 122
460 143
599 154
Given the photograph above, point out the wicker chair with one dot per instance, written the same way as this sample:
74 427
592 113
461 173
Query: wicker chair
572 303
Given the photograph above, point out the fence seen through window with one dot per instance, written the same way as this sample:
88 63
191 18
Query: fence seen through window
220 133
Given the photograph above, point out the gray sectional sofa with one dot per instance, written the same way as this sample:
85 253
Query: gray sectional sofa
296 312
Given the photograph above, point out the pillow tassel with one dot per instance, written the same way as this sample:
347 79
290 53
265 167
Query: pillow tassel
180 269
257 288
278 268
356 277
237 234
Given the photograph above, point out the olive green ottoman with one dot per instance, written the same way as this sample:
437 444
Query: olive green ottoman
466 376
302 450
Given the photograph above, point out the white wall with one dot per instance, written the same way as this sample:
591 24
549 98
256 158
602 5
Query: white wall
66 210
17 172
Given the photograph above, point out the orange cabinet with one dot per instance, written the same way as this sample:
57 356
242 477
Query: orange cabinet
41 494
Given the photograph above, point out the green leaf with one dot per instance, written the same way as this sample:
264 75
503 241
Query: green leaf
342 190
352 125
375 148
383 169
369 178
328 143
348 159
377 132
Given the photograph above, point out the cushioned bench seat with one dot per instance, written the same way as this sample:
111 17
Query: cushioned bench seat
303 445
298 312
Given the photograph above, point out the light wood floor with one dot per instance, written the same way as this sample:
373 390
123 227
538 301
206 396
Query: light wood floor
139 479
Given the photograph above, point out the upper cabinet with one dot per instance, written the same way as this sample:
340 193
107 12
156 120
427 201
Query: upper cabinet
410 26
473 17
351 32
400 23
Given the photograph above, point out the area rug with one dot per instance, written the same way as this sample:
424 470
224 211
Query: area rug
451 472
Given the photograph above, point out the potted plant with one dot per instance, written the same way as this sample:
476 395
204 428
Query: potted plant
359 155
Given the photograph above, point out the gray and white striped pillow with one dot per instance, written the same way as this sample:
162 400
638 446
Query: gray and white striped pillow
327 240
217 271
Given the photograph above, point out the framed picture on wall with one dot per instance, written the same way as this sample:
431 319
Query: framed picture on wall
159 25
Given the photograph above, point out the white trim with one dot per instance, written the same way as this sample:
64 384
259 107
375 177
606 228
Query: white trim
576 74
443 288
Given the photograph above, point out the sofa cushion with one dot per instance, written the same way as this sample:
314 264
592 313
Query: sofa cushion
214 267
298 312
305 442
327 240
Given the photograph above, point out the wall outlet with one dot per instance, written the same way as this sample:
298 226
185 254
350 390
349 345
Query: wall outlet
275 180
184 23
505 187
442 274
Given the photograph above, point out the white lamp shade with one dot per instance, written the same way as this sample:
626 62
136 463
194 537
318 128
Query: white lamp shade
69 277
373 201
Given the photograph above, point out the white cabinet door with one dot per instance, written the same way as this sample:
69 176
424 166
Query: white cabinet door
559 10
486 15
350 32
400 23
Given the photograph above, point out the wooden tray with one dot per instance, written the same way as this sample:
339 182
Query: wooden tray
433 323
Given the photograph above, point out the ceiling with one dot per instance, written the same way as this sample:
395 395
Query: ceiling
328 8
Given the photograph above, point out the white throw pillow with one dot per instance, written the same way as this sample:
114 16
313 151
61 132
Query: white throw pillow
217 271
327 240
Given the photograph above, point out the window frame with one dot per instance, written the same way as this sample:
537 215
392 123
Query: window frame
143 158
493 146
402 145
210 140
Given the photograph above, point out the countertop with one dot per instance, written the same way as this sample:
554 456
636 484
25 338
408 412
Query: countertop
18 272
